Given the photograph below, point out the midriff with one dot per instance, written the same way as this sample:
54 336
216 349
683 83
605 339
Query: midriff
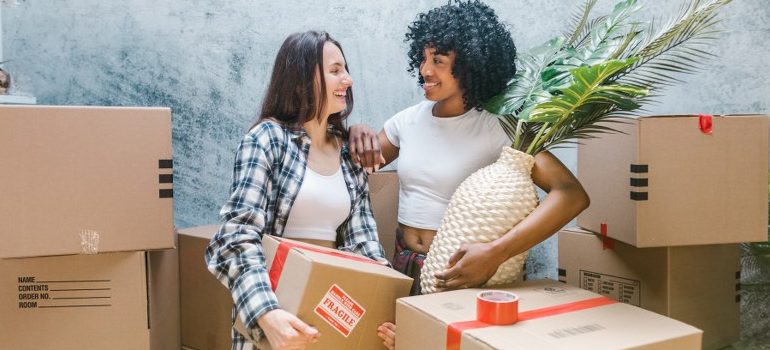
417 240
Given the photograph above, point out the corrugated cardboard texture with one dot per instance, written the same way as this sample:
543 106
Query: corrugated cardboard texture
311 275
383 188
696 189
206 305
422 322
70 171
114 315
693 284
164 299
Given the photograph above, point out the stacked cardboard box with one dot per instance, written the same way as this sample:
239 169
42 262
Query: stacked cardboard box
87 192
383 190
206 305
680 192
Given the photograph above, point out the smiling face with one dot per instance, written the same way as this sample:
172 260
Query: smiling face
436 70
336 78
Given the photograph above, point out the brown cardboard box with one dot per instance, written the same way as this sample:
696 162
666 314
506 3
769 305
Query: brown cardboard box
693 284
103 301
206 303
666 183
383 189
423 321
346 300
84 180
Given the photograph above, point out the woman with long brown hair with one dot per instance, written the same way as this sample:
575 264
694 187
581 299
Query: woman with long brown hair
293 177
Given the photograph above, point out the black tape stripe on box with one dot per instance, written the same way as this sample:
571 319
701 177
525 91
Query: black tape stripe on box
166 193
165 163
562 272
639 168
166 178
638 196
639 182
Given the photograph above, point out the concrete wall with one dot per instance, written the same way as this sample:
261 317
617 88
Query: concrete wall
210 61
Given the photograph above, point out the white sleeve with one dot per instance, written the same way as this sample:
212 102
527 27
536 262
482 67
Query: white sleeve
392 128
500 139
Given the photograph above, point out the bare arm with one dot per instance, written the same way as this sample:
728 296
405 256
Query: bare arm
474 264
371 150
389 152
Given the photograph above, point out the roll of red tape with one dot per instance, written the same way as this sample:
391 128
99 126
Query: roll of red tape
497 307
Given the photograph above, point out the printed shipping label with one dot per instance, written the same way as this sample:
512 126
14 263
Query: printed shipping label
339 310
35 293
623 290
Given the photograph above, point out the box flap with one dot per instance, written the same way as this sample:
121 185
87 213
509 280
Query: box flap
204 231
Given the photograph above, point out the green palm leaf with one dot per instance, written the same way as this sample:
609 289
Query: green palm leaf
587 95
679 48
527 85
611 34
580 23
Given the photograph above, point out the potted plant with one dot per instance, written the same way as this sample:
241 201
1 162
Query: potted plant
605 67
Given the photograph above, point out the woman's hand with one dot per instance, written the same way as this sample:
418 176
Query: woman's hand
365 147
387 331
285 331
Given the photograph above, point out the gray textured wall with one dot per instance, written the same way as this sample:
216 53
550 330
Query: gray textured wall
210 60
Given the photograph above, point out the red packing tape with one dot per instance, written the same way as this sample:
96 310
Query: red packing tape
454 330
497 307
607 243
705 122
283 251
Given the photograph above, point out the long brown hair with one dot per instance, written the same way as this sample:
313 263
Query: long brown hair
291 96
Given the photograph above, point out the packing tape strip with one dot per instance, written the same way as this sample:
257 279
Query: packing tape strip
89 242
497 307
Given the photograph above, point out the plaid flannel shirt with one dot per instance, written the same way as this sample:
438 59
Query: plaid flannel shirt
269 168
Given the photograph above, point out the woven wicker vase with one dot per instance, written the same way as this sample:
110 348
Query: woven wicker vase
484 207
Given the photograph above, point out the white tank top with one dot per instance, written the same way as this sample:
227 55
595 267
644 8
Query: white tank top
322 205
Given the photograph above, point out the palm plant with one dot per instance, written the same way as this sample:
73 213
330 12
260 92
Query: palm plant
572 87
602 68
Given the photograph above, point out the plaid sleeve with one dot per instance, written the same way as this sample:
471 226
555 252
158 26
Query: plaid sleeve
360 230
235 254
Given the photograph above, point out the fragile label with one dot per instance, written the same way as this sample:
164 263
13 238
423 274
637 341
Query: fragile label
339 310
621 289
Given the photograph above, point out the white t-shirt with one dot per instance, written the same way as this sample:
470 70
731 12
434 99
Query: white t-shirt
322 205
436 155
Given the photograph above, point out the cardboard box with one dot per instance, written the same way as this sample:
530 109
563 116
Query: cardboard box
423 321
103 301
346 300
206 304
693 284
84 180
383 190
665 182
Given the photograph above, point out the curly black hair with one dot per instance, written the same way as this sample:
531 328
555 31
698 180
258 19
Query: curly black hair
485 53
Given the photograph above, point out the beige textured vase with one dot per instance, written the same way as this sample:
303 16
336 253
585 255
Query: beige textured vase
484 207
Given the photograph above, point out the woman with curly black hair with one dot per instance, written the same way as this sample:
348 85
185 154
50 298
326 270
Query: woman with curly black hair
482 48
464 55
